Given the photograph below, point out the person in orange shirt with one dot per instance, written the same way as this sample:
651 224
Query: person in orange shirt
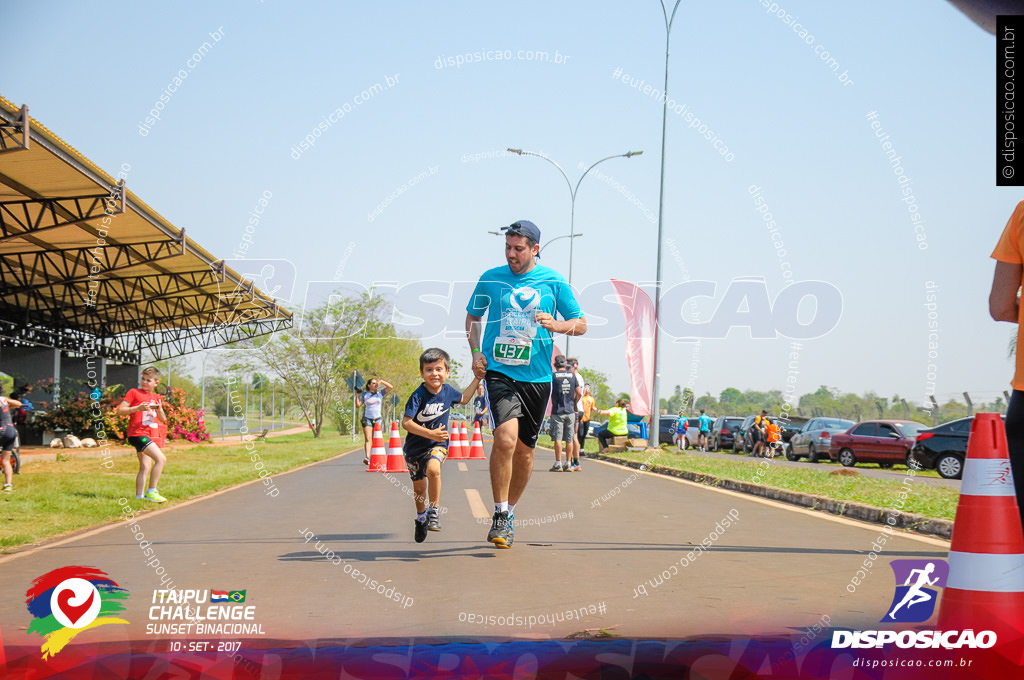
774 438
587 409
1004 305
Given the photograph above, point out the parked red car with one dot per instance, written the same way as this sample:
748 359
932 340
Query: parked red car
875 441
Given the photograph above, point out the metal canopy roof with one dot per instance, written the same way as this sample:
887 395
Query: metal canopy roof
88 267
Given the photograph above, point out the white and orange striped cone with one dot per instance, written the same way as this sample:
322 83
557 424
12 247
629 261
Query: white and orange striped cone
455 451
476 449
396 460
378 457
985 589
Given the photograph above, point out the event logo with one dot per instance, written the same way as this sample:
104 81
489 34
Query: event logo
69 601
524 299
914 601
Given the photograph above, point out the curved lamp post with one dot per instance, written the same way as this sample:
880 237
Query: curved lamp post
572 195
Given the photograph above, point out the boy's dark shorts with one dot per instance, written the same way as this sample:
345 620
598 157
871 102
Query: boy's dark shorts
520 400
140 443
418 464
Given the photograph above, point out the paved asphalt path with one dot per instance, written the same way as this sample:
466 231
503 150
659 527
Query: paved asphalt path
775 569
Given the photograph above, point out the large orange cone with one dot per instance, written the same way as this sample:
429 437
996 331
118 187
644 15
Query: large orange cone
378 457
396 461
476 449
455 450
985 590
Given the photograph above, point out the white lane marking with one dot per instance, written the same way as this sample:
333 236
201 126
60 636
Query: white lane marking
464 468
868 526
476 504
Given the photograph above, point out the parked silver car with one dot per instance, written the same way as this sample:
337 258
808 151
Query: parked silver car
814 438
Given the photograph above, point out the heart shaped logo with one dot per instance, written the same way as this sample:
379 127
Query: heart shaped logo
73 612
525 299
75 603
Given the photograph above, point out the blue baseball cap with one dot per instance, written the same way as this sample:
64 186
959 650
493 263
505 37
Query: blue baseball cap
523 228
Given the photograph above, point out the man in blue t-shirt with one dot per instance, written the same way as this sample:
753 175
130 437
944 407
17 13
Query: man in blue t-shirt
520 301
704 424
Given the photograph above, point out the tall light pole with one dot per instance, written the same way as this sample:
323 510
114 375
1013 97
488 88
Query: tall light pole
572 196
652 434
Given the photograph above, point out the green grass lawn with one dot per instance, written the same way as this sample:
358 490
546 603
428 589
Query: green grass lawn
53 498
213 425
924 499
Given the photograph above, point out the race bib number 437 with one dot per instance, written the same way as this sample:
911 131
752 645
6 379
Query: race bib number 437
512 351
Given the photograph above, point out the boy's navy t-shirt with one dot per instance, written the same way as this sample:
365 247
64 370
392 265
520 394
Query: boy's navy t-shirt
430 411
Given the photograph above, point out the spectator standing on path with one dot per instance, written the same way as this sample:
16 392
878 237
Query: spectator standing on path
371 401
480 409
577 446
586 409
1004 305
8 435
681 427
758 430
513 353
565 392
616 424
704 425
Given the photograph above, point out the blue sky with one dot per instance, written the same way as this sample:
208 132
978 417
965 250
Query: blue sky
225 138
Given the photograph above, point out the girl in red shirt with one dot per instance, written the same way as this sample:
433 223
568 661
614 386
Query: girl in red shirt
147 412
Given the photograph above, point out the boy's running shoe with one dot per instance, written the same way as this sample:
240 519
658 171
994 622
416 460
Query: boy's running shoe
433 524
421 531
155 497
501 530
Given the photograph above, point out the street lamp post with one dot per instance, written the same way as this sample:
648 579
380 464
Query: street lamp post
572 196
652 433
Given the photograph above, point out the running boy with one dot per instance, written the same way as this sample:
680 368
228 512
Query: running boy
426 446
146 409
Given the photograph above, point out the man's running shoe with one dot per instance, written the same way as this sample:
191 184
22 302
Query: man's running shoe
432 522
155 497
501 530
576 467
8 487
511 531
421 530
555 468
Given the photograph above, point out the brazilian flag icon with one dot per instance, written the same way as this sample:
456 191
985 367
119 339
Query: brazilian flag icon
237 596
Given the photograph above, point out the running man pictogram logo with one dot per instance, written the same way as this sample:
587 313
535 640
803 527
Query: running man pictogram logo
914 601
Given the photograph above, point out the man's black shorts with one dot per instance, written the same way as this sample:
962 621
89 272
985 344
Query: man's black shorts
524 401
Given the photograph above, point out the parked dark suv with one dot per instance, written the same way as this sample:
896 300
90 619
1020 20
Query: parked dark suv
723 431
742 441
944 447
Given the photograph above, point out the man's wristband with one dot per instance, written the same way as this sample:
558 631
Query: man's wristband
476 350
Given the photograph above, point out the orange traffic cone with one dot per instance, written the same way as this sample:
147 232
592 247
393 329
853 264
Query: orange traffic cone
378 457
396 461
985 590
455 450
476 449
